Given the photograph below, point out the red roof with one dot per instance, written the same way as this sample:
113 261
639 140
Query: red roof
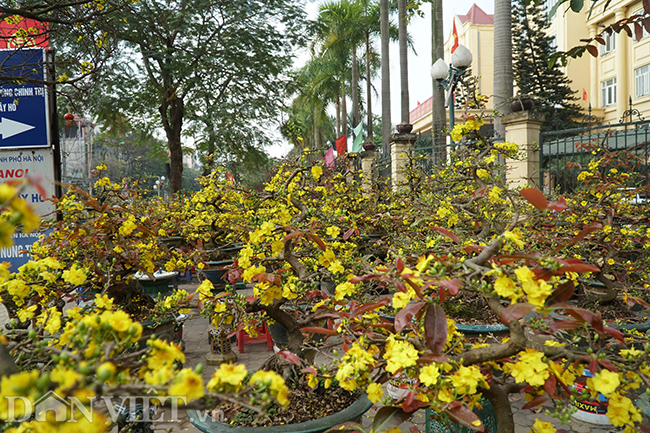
477 16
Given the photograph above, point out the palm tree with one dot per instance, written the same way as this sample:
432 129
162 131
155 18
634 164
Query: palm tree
403 61
438 118
385 76
503 78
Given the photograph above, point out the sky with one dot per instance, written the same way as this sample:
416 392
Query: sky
419 63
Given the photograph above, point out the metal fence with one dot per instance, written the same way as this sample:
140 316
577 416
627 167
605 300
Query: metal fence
564 154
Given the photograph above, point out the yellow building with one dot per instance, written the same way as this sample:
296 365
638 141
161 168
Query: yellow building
476 32
620 73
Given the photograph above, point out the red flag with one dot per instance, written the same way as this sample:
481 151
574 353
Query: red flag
584 94
454 34
341 145
329 157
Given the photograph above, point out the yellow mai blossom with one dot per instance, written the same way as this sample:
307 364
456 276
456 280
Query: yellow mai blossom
466 380
333 231
399 354
277 247
250 272
605 382
375 393
316 172
482 173
401 299
429 374
506 288
530 368
75 275
274 382
344 289
621 411
128 226
232 375
336 267
18 384
634 353
326 257
103 302
514 237
27 313
51 318
188 384
543 427
536 290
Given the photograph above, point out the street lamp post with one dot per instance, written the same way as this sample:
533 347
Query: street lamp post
449 76
158 184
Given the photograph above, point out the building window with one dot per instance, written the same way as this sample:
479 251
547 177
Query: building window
610 43
547 5
642 80
645 32
608 92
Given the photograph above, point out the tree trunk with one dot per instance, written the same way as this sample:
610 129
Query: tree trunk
338 116
368 89
344 109
356 114
171 113
403 62
438 113
385 78
502 62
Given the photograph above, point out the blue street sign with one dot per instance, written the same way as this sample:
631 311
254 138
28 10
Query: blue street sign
24 120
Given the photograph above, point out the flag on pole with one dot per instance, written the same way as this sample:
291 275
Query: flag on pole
454 35
329 157
584 94
358 138
341 145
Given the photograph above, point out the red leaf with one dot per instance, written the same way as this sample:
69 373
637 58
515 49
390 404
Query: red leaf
292 235
465 416
537 401
317 330
369 307
290 357
403 318
592 50
614 333
557 206
587 316
565 323
646 6
430 357
579 267
535 197
388 417
435 328
646 24
515 312
447 234
318 241
550 385
562 294
310 370
348 234
453 286
583 233
638 31
400 265
593 366
608 365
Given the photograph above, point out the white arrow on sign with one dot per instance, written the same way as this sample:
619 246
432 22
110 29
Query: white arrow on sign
9 128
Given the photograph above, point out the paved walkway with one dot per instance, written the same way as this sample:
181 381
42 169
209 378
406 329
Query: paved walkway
197 346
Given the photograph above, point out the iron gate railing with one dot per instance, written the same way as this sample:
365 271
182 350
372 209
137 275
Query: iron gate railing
564 154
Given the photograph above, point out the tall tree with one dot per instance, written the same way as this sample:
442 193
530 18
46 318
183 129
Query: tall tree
203 63
502 65
438 117
403 61
531 50
385 76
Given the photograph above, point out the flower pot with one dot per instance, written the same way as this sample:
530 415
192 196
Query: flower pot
521 104
404 128
216 274
438 424
594 412
206 424
369 146
161 285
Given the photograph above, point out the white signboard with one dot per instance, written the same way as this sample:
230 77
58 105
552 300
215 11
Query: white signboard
18 164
